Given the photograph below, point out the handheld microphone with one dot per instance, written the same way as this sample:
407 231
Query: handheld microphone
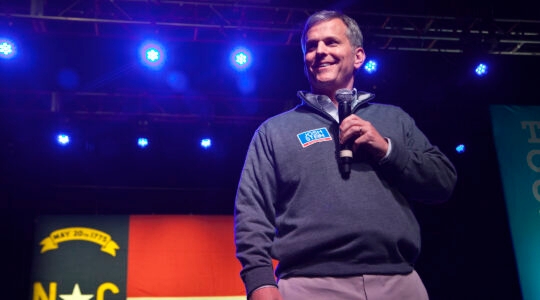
344 98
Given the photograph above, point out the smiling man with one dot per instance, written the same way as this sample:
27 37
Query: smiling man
330 57
335 236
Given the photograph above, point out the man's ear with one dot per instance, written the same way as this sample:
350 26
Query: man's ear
359 57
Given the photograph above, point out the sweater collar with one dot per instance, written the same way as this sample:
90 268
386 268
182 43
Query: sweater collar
320 101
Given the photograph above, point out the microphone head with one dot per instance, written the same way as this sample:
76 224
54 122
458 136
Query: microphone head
344 95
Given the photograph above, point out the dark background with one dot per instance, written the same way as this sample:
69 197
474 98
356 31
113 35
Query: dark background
467 250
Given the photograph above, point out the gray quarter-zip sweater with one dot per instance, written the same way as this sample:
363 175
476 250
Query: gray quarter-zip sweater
293 205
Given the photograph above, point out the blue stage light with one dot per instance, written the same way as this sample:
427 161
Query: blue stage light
241 58
8 49
152 54
62 139
206 143
142 142
460 148
370 67
481 69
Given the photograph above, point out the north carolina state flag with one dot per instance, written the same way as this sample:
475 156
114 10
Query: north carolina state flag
182 257
144 257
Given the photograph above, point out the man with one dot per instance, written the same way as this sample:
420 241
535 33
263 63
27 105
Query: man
334 236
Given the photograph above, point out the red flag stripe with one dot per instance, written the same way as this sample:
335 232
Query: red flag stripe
182 256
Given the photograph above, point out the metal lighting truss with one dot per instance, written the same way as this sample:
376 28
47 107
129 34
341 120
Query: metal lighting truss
255 21
259 21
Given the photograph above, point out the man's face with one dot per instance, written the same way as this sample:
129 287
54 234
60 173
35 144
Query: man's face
330 60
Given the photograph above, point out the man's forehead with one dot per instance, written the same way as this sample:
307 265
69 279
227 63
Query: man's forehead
335 27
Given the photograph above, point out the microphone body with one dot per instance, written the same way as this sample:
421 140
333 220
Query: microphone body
344 98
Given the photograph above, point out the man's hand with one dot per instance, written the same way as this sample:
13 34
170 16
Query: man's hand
364 136
266 293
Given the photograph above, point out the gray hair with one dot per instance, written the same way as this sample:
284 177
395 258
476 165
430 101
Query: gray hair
353 30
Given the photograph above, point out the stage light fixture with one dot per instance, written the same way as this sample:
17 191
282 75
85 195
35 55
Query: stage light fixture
7 48
370 67
142 142
62 139
152 54
206 143
241 58
460 148
481 69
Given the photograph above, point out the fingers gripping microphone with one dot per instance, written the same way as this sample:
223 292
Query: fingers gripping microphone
344 98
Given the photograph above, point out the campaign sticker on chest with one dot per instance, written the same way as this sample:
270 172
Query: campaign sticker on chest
311 137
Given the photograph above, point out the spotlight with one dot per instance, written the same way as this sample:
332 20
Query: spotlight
370 67
142 142
7 48
460 148
481 69
206 143
241 58
62 139
152 54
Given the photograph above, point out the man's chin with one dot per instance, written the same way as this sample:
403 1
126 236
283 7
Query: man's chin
323 84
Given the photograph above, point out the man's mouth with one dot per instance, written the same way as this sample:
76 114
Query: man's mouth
323 65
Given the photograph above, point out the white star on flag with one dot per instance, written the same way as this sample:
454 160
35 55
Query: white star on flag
76 295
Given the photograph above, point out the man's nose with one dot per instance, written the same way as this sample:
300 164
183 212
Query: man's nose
321 48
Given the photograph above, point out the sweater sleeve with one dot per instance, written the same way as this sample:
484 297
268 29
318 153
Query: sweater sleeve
254 223
419 169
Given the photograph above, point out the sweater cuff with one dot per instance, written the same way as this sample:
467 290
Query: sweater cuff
385 158
396 160
258 277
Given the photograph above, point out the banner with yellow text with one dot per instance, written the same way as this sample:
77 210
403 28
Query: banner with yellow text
516 131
